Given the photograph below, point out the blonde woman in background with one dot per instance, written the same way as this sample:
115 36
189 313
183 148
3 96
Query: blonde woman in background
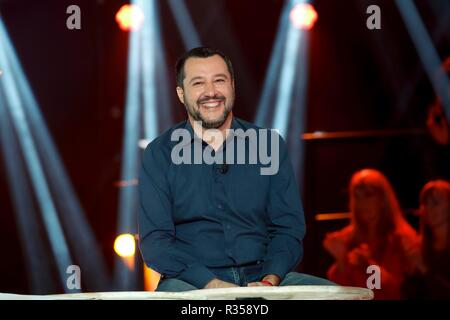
377 235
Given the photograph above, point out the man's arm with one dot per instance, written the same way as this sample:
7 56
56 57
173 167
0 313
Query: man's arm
156 227
287 222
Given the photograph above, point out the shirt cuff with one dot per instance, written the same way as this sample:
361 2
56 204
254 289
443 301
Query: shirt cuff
197 275
275 267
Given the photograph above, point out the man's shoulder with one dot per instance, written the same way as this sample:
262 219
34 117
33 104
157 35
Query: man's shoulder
245 125
163 141
161 146
272 135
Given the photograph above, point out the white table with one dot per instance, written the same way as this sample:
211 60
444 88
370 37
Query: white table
269 293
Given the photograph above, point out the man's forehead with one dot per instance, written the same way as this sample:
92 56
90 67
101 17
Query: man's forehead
196 66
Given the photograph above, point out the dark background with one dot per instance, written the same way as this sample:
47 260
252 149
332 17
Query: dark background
358 80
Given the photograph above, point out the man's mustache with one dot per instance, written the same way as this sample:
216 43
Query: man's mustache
208 98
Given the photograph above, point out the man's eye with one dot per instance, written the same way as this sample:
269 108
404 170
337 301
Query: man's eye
220 80
197 83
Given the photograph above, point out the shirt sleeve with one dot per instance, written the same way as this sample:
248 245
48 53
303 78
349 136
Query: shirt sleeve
287 222
156 227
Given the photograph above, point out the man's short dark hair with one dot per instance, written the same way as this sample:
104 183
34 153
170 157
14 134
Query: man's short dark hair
200 52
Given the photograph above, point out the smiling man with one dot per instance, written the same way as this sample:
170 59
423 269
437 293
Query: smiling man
208 91
209 96
218 225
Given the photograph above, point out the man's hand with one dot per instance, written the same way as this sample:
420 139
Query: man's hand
272 278
216 283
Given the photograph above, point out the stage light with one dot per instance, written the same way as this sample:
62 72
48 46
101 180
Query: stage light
303 16
15 107
185 25
143 143
130 17
72 215
144 93
282 104
151 279
125 245
38 257
427 51
270 81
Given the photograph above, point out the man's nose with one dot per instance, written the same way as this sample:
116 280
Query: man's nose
210 90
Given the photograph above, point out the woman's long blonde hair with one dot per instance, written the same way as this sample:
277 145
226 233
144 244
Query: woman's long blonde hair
390 216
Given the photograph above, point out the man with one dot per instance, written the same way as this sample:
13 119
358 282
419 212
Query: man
224 224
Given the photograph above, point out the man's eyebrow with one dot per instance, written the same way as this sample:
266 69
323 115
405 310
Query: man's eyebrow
215 76
221 75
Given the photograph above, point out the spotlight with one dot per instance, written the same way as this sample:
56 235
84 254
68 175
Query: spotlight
143 143
151 279
303 16
61 211
125 245
130 17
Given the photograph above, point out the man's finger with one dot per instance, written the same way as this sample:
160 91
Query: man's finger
255 284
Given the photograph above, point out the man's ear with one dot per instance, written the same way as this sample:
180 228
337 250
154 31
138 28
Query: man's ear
180 93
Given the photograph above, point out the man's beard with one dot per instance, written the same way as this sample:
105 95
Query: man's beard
194 111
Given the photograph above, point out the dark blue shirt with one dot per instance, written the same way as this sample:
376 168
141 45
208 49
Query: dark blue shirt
194 217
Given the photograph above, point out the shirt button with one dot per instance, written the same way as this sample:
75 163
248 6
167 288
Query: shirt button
220 206
228 227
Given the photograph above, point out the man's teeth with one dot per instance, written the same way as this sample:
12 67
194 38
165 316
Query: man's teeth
211 104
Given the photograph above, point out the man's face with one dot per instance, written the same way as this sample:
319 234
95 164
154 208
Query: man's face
208 92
